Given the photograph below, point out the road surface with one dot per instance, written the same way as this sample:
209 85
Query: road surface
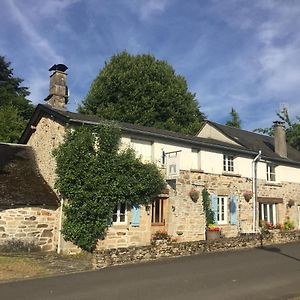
270 273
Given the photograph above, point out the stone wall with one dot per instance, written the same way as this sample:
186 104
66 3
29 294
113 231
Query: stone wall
32 225
126 235
47 136
162 249
225 185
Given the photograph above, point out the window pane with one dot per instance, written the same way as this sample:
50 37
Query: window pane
265 217
157 211
271 213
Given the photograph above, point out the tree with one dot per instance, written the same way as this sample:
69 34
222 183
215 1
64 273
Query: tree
11 124
235 119
90 170
15 108
292 129
143 90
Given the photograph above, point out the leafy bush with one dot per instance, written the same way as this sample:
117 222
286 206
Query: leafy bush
288 224
94 175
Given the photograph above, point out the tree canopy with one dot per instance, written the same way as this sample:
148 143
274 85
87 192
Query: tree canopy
90 170
15 109
292 129
235 119
142 90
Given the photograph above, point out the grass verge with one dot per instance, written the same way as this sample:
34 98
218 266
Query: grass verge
20 268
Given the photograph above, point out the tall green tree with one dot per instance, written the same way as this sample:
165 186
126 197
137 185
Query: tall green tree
235 119
91 175
15 109
292 129
142 90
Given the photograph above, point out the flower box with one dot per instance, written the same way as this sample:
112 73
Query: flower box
213 235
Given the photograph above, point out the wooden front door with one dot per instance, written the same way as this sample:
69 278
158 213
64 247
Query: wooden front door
159 214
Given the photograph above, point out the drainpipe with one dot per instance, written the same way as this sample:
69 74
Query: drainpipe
254 187
60 225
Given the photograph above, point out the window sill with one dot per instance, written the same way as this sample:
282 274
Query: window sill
231 174
157 224
196 171
120 225
273 183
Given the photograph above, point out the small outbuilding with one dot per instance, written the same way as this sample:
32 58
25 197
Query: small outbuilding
29 208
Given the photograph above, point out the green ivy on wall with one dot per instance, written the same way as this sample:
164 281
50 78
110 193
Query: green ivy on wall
95 175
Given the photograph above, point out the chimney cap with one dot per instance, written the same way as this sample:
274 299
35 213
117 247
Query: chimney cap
278 123
59 67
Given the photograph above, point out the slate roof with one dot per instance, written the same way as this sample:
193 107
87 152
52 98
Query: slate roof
255 142
249 143
21 184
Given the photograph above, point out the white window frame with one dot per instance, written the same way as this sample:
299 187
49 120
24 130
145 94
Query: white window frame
222 210
266 206
228 163
271 170
118 214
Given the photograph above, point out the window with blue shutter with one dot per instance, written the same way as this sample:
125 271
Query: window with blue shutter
214 206
233 209
135 215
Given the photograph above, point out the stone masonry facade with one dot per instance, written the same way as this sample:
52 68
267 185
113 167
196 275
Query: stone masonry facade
185 219
47 136
33 225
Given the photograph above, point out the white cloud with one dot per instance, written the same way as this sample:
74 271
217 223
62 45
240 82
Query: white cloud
54 7
39 44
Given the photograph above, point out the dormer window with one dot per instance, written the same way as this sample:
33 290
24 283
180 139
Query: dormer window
271 172
228 163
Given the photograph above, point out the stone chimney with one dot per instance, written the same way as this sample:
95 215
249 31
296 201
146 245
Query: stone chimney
280 138
58 90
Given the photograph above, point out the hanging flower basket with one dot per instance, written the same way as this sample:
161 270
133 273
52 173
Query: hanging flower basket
248 195
194 195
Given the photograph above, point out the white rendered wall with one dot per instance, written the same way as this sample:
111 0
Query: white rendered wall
209 161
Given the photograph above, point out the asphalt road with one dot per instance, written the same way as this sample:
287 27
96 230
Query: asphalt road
271 273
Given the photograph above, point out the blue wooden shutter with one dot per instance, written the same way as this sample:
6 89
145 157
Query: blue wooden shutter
109 222
135 215
233 206
214 206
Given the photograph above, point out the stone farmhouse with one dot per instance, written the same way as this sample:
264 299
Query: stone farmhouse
228 162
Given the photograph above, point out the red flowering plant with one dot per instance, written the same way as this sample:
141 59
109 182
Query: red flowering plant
267 225
213 227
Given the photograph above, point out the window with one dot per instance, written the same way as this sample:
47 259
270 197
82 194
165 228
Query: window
222 210
119 213
158 212
271 172
267 212
228 163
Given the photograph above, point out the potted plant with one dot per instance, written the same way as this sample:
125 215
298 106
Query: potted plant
248 195
213 232
194 194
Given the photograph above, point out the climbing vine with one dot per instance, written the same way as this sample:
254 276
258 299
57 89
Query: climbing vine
209 215
95 175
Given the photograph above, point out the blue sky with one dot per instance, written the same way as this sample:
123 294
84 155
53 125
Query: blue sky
233 53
